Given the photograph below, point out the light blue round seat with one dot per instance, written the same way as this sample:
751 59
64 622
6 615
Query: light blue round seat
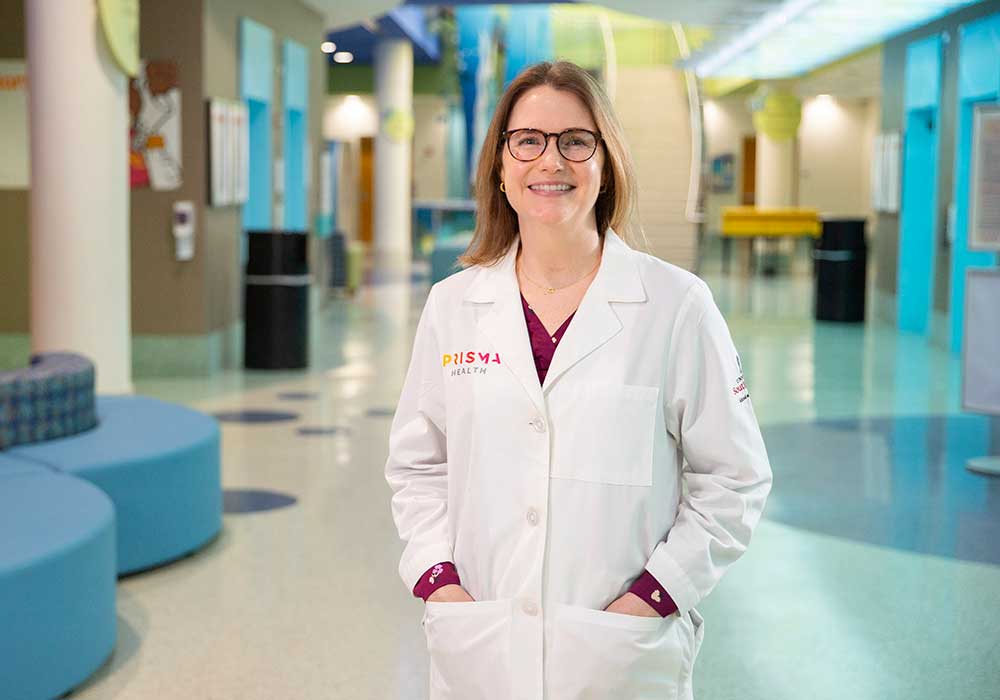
57 581
159 464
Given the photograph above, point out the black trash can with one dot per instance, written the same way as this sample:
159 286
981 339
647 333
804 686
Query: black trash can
276 309
840 262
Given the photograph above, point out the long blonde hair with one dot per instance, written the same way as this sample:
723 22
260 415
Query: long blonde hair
496 220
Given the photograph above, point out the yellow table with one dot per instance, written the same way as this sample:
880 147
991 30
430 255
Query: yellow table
751 223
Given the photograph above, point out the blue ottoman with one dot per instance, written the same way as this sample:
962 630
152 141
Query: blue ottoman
57 581
159 464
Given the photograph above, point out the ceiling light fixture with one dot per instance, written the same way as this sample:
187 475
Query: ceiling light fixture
327 47
343 57
770 23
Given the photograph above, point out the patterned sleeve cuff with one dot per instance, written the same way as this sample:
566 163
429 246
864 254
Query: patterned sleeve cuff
650 590
439 575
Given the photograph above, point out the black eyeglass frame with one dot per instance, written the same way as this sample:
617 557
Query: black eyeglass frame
507 134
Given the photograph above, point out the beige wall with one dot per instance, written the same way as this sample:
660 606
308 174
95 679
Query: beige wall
430 143
657 127
835 146
726 121
221 41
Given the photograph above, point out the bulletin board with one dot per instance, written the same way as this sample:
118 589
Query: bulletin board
228 143
981 346
984 185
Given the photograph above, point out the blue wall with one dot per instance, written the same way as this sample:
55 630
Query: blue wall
529 38
295 99
918 218
979 83
257 89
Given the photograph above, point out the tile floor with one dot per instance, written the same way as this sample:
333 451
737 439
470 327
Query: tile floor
875 574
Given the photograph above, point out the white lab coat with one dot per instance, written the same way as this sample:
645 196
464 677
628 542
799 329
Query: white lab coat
640 451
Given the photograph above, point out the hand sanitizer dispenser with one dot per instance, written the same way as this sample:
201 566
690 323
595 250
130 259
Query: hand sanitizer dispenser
184 230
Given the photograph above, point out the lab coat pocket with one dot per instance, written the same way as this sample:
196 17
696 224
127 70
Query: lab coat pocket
695 625
604 433
596 655
469 649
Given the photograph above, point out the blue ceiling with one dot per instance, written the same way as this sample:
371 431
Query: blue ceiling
408 21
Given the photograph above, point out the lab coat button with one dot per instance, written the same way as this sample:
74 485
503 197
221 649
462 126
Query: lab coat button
538 424
530 608
532 516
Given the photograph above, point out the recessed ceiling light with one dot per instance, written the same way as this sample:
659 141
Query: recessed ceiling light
327 47
343 57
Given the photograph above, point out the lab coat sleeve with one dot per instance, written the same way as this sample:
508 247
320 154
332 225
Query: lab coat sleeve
417 466
726 474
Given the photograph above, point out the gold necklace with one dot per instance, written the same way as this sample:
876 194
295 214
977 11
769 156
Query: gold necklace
553 290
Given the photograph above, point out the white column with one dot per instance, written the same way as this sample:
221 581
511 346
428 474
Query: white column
775 172
393 153
79 200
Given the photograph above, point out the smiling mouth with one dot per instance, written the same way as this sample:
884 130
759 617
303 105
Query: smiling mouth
550 188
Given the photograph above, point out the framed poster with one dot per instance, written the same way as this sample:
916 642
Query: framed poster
981 344
228 143
886 158
984 183
14 161
155 127
722 176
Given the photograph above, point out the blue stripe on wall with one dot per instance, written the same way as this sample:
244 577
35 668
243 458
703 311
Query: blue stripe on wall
295 94
529 38
918 230
979 83
257 89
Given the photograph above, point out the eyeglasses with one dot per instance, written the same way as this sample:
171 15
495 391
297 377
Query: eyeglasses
576 145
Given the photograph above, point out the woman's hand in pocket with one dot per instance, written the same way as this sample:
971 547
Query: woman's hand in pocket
630 604
451 593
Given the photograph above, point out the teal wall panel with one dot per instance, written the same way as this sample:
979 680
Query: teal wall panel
923 74
917 230
979 67
256 61
918 211
295 96
295 60
529 38
979 83
257 89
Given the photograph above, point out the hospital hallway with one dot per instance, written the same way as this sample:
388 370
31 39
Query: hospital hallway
873 575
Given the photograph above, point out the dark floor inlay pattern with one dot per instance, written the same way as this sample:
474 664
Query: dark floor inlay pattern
298 395
321 430
897 482
255 416
254 501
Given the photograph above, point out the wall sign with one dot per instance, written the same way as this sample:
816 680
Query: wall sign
984 187
14 171
155 126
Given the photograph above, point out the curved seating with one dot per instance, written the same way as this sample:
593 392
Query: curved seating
52 398
159 464
57 581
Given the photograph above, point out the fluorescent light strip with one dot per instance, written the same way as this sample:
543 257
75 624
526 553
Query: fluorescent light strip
802 36
770 23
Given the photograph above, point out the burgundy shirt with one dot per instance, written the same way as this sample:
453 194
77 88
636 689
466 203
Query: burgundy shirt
543 348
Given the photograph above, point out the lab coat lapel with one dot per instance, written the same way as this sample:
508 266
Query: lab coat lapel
504 325
595 321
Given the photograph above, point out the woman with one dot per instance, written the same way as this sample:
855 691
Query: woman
574 457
